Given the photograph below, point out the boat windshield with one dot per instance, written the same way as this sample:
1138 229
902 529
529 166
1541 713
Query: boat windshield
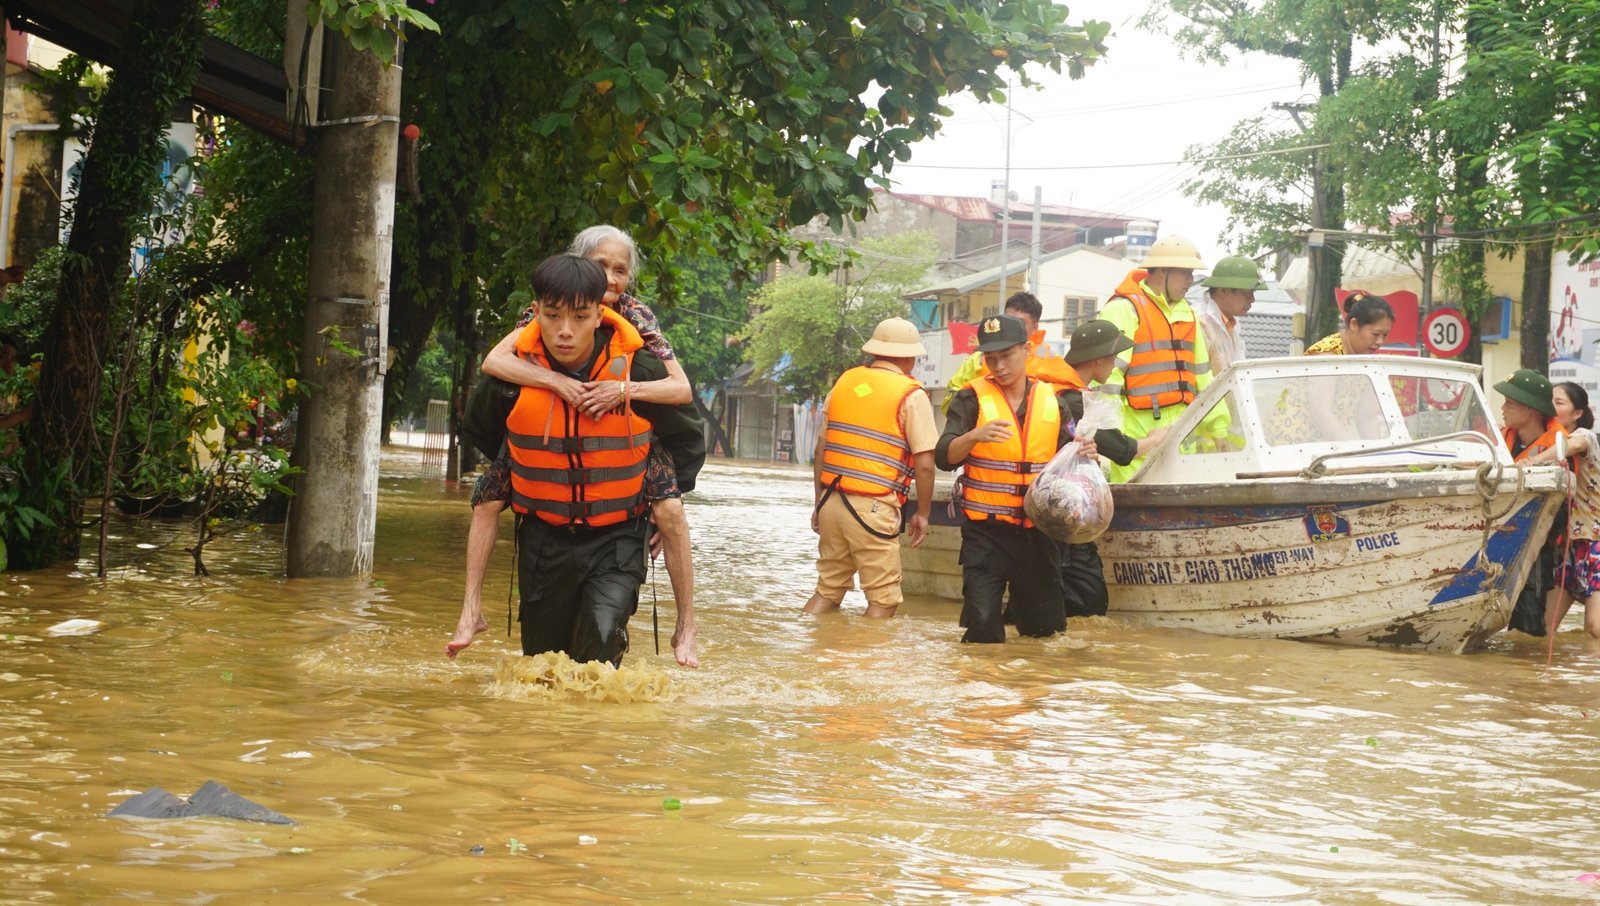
1278 415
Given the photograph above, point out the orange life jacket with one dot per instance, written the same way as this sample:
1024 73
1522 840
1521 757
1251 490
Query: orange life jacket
1161 366
1066 377
1545 441
864 447
568 468
996 476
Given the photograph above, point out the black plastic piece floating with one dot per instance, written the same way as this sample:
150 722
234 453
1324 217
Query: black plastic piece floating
212 800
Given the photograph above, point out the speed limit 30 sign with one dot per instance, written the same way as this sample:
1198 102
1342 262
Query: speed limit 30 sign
1445 332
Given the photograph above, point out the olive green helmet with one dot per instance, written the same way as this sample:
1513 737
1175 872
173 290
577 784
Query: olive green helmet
1235 272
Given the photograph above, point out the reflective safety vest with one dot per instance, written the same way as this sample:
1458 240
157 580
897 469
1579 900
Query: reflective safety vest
995 476
1545 441
864 447
567 468
1161 366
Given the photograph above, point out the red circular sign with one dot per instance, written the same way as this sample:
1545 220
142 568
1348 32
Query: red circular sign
1445 332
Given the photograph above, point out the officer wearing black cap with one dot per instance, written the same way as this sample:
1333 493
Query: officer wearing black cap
1001 431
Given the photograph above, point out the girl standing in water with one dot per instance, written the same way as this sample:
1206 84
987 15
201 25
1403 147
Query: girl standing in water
1578 576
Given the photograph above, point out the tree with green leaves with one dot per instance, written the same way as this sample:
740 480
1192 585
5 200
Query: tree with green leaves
703 128
1526 97
1270 199
154 72
1484 142
809 327
704 313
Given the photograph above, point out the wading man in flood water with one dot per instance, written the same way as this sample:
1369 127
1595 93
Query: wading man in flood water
577 481
669 471
877 435
1092 358
1002 430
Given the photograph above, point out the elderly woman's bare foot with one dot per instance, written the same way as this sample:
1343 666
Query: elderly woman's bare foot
469 626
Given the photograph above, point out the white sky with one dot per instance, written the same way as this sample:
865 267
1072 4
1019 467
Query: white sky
1142 102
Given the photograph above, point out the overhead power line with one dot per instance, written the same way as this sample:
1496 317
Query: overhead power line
967 120
1152 163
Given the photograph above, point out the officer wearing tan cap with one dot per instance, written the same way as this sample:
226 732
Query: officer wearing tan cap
1168 364
877 436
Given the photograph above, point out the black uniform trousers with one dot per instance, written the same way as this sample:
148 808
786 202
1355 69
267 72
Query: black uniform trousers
579 587
995 555
1083 580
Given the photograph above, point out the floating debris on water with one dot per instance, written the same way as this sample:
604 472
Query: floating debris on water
515 846
586 840
477 850
211 800
671 804
75 627
554 675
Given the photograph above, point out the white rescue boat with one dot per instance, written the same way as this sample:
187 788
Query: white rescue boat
1363 500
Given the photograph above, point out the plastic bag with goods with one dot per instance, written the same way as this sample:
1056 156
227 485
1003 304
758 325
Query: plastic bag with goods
1070 500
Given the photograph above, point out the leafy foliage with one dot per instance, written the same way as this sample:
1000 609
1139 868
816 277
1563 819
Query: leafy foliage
720 122
809 327
1267 195
373 25
703 128
702 314
1526 98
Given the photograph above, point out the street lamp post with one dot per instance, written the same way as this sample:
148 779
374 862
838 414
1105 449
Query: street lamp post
1005 201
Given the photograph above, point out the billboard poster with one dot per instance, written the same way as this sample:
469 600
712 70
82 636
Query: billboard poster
1575 322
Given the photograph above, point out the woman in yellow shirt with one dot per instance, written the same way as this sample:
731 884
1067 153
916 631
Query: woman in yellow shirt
1367 322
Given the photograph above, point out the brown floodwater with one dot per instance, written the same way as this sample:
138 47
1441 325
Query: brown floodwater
815 760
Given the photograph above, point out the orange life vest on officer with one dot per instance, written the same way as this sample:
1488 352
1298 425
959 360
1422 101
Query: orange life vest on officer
567 468
995 476
1545 441
1066 377
864 447
1161 365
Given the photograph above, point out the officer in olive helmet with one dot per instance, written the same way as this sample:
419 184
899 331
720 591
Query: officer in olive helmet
1230 291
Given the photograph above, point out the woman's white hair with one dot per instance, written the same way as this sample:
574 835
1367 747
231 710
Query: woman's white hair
590 238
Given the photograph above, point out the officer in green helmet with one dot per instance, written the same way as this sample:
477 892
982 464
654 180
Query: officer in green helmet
1230 291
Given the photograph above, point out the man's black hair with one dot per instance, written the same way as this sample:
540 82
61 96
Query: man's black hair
568 280
1026 303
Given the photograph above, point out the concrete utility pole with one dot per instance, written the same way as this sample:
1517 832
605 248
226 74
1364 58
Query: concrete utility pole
1319 286
1005 222
333 515
1034 245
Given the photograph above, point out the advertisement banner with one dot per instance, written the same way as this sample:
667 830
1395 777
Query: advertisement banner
1574 322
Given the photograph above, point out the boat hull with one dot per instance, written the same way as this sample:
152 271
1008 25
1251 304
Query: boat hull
1419 561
